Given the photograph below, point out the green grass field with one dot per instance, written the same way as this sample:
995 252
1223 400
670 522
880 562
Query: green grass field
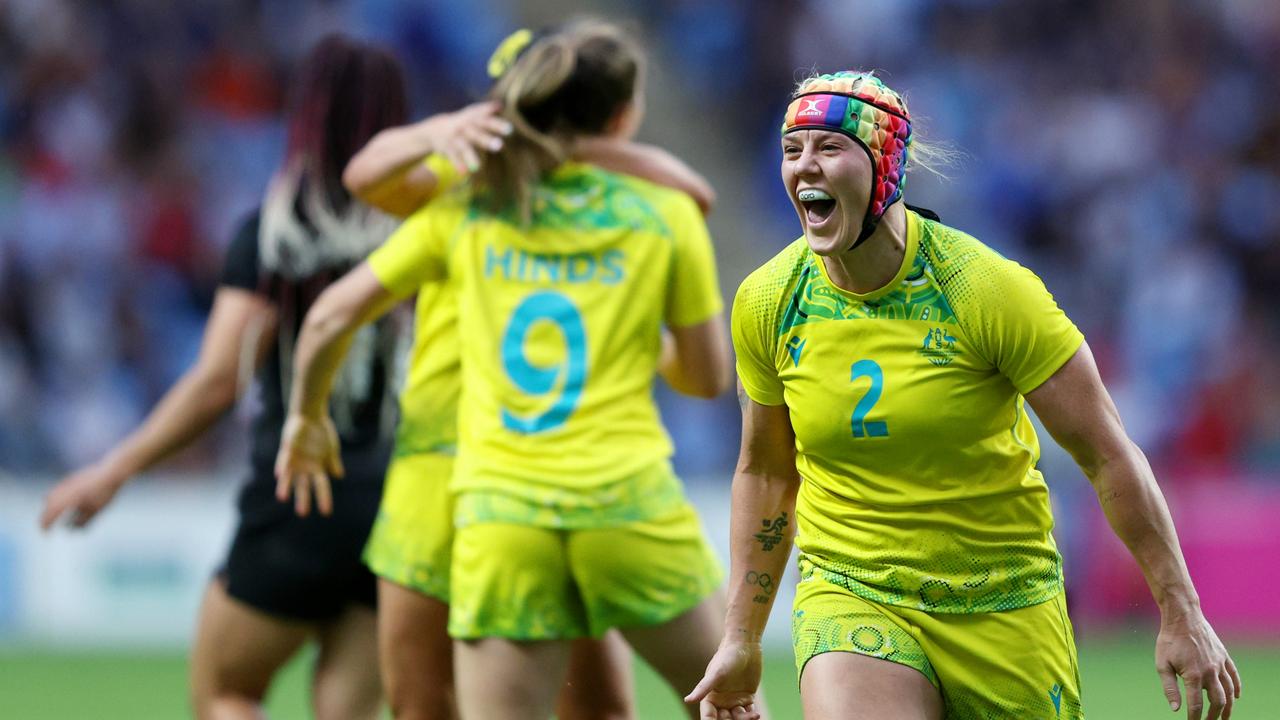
1119 684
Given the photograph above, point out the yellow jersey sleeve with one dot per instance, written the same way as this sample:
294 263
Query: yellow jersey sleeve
416 253
446 174
693 294
753 344
1017 325
694 291
757 319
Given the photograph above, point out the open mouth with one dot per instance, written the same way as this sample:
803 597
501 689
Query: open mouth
818 205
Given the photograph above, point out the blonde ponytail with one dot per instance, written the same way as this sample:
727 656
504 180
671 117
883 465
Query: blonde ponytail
567 83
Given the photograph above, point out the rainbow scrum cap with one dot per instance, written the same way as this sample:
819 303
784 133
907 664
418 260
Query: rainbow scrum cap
865 109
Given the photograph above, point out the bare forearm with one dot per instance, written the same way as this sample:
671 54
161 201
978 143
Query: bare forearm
1137 512
673 372
184 413
762 529
383 163
695 359
322 345
354 300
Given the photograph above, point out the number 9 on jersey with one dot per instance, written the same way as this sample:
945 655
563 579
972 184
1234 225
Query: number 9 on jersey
564 380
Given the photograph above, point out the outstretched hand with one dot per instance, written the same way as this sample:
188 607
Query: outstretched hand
1191 649
727 690
83 494
309 454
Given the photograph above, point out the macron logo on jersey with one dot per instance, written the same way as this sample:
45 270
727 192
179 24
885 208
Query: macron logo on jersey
1055 694
795 346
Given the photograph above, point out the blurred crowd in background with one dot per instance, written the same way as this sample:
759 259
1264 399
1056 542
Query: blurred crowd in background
1128 152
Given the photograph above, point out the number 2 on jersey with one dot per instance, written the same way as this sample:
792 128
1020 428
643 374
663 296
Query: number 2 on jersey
570 375
862 428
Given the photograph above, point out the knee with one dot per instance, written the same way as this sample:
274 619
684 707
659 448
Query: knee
215 697
418 680
430 703
226 707
346 708
341 698
580 704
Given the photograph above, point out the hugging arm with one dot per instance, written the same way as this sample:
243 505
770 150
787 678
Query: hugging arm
389 173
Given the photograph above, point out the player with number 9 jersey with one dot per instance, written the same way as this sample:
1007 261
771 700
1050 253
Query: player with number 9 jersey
560 325
410 547
575 287
570 521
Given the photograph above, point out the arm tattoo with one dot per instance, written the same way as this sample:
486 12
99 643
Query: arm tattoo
742 397
772 531
1110 496
764 581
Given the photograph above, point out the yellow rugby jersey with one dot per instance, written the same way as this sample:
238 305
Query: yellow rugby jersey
429 401
560 324
917 456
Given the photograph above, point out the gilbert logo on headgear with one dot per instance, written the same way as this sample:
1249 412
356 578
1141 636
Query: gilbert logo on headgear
813 106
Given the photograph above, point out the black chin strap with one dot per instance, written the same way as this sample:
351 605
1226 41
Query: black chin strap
925 213
868 228
870 224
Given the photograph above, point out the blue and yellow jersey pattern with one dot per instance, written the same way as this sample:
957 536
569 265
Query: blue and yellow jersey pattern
917 456
559 323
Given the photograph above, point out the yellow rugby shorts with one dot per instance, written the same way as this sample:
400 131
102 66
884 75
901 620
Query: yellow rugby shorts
523 582
1013 664
412 537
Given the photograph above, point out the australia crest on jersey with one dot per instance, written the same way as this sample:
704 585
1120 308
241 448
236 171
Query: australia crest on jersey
939 347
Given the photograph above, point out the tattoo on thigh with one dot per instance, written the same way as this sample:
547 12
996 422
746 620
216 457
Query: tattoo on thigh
764 582
772 532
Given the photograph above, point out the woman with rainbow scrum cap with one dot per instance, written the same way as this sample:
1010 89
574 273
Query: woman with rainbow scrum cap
885 362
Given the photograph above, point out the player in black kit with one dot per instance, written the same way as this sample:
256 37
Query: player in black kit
287 578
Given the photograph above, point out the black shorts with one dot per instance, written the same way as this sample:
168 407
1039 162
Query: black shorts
307 568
